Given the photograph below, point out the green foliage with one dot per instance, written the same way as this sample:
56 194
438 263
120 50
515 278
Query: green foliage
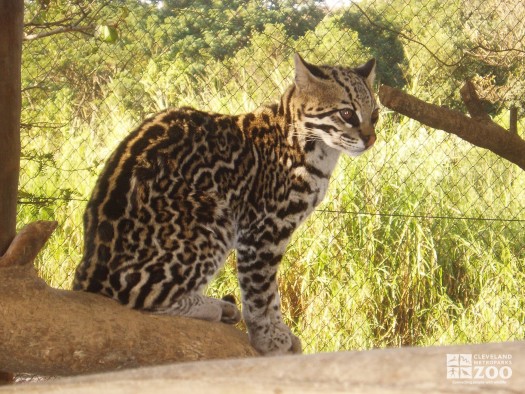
332 42
106 33
384 44
495 25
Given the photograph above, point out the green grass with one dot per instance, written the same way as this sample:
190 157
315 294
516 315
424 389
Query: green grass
419 242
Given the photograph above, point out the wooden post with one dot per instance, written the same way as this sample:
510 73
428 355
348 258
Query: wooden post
11 30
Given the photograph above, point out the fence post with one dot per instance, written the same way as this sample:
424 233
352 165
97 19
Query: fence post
11 30
513 119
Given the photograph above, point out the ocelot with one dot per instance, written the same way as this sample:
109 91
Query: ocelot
186 187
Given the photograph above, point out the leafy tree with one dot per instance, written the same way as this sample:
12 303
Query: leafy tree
334 42
222 27
496 51
384 43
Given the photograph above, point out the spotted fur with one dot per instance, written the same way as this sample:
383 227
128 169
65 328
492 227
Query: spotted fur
188 186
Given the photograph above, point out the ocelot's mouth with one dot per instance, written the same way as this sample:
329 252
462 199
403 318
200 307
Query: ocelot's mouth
355 151
355 146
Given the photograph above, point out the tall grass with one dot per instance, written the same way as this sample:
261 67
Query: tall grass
419 242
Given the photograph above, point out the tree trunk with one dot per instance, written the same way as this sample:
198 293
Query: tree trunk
11 25
478 129
11 30
57 332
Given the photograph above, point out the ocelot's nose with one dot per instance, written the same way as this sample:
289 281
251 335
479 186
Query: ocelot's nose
369 139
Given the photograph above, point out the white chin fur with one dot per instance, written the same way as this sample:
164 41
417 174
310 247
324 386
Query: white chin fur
350 151
356 151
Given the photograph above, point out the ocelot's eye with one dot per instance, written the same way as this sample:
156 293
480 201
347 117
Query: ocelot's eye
375 116
349 116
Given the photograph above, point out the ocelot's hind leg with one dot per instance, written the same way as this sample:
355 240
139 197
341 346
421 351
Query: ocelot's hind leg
192 236
205 308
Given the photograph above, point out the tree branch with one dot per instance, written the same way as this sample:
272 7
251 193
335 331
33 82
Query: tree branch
471 99
66 29
58 332
82 24
479 130
27 243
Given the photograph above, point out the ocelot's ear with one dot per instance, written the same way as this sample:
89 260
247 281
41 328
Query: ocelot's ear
306 73
368 71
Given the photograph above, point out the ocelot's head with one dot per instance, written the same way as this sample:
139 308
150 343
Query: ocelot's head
336 105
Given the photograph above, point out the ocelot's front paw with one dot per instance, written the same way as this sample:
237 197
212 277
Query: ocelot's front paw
230 313
274 340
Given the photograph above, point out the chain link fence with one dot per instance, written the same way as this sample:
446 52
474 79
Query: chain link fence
419 242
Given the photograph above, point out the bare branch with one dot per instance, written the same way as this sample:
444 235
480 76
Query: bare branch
68 29
67 25
27 243
47 25
472 101
43 125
